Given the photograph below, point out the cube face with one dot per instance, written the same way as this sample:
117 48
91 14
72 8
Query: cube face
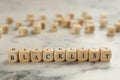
76 29
89 28
59 20
103 23
36 29
43 24
31 21
70 15
13 55
105 54
59 54
54 27
24 55
18 24
22 31
5 28
29 16
71 54
9 20
66 22
94 55
82 54
48 54
36 55
111 31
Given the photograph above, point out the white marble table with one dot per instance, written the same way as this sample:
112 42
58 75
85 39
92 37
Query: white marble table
62 38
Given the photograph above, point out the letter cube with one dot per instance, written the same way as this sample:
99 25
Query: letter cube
13 55
103 23
18 24
36 28
76 29
9 20
29 16
48 54
111 30
70 15
24 55
36 55
42 17
94 55
117 25
22 31
71 54
5 28
82 54
43 24
89 28
59 54
105 54
54 27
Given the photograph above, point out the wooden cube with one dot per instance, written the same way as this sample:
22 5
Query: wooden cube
111 30
88 17
31 21
105 54
59 54
117 25
18 24
29 16
71 54
66 22
24 55
22 31
103 16
43 24
1 32
13 55
59 15
84 13
82 54
48 54
36 28
5 28
42 17
73 22
36 55
54 27
89 28
81 20
94 54
9 20
76 29
59 20
70 15
103 23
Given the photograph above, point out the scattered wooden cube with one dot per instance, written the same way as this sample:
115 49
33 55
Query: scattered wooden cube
5 28
84 13
71 54
111 30
82 54
103 23
59 54
59 20
117 25
73 22
103 16
59 15
88 17
43 24
36 55
9 20
42 17
81 20
94 54
54 27
76 29
31 21
66 22
36 28
89 28
18 24
48 54
24 55
22 31
29 16
70 15
13 55
105 54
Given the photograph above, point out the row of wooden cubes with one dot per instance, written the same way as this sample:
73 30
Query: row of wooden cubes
59 55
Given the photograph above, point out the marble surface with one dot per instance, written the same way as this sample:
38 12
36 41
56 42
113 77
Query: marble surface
63 38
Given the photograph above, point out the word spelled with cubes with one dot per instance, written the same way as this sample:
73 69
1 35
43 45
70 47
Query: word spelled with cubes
59 55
